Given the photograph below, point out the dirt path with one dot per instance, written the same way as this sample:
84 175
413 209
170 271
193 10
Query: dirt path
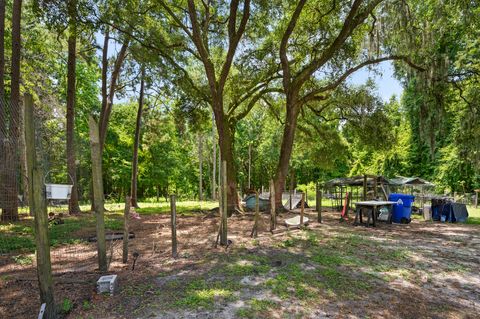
330 270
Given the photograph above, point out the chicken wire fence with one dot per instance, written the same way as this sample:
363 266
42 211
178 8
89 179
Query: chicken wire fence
71 238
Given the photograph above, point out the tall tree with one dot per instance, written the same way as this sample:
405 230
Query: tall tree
109 90
2 52
73 205
337 52
136 142
201 47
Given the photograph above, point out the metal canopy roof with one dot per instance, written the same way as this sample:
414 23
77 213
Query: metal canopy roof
358 181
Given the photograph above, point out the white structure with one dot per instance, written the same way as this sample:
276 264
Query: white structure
107 284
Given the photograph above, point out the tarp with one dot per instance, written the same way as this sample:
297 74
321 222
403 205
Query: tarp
460 212
445 211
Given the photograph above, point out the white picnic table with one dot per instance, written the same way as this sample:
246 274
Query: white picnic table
373 206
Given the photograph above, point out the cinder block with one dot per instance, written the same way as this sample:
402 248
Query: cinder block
107 284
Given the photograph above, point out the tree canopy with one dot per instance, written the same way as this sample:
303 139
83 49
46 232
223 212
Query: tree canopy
273 75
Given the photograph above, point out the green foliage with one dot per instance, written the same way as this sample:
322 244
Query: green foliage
67 305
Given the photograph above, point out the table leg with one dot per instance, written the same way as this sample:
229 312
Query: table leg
361 215
357 212
390 213
369 217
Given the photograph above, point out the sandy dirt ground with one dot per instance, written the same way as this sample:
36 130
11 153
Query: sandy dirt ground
329 270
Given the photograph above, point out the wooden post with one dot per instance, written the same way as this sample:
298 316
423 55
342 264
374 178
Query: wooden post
291 198
98 200
126 214
476 198
318 204
302 209
39 209
223 224
273 214
364 187
173 219
375 187
257 216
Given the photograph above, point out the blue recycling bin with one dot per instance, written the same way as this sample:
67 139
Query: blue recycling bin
402 210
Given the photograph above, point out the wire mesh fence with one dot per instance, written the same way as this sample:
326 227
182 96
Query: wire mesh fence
71 239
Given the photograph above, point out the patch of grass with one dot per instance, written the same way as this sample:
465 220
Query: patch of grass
138 289
19 236
290 242
257 309
293 281
67 305
184 208
202 294
9 243
23 260
86 305
473 215
246 269
333 258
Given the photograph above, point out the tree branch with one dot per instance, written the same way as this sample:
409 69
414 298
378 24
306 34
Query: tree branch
283 44
312 95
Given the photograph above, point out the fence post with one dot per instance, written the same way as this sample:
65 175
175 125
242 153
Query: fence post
98 201
364 187
39 209
319 204
476 198
126 234
302 209
290 199
273 213
173 219
257 217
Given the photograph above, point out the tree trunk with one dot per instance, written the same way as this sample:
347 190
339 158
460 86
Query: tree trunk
200 167
38 206
107 109
3 105
10 212
2 53
73 206
136 144
286 149
214 160
225 137
249 165
98 195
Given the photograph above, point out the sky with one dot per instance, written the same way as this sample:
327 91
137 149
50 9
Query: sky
386 83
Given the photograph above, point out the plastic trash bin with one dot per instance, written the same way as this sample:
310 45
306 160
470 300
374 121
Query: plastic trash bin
402 210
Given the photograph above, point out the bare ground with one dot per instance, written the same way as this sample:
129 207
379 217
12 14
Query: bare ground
330 270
